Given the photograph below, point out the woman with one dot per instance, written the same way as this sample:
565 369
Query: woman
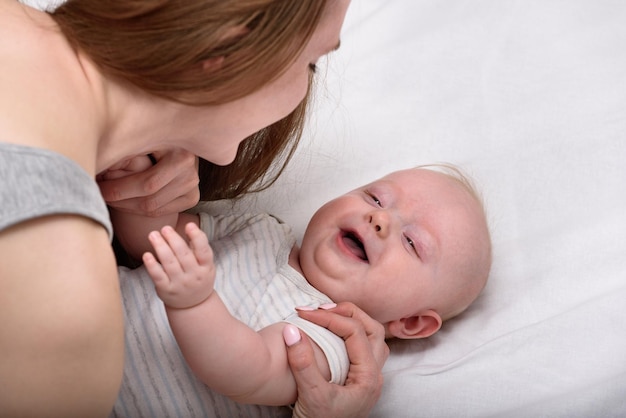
85 88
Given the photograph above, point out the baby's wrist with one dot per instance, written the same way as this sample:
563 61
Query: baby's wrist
189 305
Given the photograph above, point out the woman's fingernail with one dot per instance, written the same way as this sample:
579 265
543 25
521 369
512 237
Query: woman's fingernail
304 308
291 335
328 306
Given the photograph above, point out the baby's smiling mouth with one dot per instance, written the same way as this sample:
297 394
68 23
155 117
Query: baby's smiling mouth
354 245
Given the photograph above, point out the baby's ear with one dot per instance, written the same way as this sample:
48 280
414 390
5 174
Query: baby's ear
419 326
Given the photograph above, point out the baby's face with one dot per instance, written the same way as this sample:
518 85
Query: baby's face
395 246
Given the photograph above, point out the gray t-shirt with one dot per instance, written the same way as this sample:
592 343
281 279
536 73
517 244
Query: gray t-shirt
36 182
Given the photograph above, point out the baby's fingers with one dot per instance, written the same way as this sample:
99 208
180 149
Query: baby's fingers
199 244
156 272
162 244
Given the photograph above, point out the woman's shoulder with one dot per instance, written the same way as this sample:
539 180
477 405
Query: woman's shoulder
44 101
26 34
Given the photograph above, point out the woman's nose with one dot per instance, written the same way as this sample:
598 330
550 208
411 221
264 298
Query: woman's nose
379 220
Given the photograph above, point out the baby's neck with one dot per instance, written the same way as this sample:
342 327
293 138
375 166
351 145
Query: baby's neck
294 259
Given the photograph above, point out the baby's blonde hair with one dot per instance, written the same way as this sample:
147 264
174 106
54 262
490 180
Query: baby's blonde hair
454 172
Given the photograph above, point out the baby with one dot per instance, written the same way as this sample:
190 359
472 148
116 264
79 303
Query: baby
411 249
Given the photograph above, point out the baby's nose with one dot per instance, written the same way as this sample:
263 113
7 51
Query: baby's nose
379 219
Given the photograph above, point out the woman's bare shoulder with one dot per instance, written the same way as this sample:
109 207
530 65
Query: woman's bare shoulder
18 23
9 8
45 101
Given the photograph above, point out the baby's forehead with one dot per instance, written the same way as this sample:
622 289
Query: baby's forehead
438 188
419 177
428 185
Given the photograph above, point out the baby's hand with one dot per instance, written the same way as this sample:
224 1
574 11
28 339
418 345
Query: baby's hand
186 274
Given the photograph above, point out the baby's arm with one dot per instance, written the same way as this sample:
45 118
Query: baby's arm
224 353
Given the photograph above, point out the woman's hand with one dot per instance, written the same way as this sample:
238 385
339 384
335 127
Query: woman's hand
365 342
169 186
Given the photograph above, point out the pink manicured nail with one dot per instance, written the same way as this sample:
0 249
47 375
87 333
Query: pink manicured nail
291 335
328 306
304 308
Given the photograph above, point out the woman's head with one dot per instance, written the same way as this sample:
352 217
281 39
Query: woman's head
250 58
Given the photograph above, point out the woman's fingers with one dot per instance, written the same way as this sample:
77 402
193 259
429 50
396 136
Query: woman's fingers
170 186
352 324
316 397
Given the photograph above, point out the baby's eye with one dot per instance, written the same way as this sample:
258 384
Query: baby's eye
374 198
411 244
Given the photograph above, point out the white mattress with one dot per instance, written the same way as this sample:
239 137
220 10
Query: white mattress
529 97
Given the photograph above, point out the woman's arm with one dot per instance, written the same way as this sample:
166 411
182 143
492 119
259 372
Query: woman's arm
61 337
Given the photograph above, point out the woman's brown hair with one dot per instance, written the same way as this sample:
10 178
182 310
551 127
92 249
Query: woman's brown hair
160 46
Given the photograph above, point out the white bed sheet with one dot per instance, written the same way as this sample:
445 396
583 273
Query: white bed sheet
529 97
